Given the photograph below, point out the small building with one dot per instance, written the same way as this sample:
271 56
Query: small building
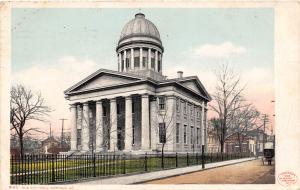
50 146
259 136
246 144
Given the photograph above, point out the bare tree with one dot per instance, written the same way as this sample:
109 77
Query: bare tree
244 120
25 106
227 99
163 122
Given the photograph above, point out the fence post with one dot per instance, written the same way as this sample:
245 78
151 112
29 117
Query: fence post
146 162
203 156
124 168
114 163
94 164
162 160
176 160
187 159
53 170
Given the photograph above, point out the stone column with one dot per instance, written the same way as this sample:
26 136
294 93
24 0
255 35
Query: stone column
113 125
128 123
141 58
145 145
156 61
85 137
202 124
149 58
99 126
160 56
205 128
73 128
132 59
154 125
119 62
125 67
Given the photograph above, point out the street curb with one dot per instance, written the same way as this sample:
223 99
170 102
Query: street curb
184 173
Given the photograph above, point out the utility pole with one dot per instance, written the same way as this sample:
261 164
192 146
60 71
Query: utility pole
62 133
50 131
264 136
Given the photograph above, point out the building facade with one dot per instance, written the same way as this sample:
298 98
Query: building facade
137 108
246 144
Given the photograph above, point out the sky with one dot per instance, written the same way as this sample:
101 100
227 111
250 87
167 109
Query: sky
54 48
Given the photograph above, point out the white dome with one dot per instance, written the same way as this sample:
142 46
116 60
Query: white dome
139 26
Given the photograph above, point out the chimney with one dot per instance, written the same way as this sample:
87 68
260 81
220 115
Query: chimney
179 74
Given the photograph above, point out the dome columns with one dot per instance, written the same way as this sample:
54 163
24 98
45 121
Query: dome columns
156 60
139 58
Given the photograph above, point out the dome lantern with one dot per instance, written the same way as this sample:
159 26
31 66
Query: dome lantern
140 48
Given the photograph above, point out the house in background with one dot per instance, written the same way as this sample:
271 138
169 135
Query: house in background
246 144
258 135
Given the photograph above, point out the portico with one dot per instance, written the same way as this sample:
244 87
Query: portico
111 122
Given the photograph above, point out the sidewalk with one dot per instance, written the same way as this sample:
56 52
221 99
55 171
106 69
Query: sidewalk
139 178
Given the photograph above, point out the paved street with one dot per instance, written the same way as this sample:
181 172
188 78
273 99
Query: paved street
251 172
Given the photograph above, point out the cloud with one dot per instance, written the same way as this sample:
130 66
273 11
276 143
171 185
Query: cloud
223 50
51 80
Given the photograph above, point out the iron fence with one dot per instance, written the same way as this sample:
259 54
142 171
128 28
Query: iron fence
47 169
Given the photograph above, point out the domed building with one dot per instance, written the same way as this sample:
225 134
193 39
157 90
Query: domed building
137 109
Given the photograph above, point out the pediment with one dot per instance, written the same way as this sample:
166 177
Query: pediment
195 85
102 79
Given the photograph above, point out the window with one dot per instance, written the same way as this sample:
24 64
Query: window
162 133
177 132
133 110
184 107
127 62
104 111
197 110
144 61
159 66
198 135
192 135
184 134
136 61
118 109
152 63
192 110
161 103
122 65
